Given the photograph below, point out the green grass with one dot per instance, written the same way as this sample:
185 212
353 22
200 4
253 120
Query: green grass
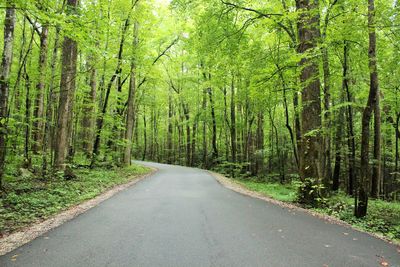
34 199
285 193
383 217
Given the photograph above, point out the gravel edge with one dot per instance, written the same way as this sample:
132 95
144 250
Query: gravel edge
235 186
12 241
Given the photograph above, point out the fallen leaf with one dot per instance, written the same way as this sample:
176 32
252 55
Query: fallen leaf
327 246
346 233
355 239
14 258
325 265
280 230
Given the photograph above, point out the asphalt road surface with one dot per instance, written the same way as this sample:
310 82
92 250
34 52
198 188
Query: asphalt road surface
184 217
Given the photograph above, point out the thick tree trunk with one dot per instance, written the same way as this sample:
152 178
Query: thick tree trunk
363 187
6 62
311 152
38 114
130 114
67 92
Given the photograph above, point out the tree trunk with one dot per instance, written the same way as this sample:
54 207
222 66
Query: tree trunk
130 114
327 166
377 166
233 122
89 110
27 158
144 135
287 119
170 131
48 136
204 129
67 92
38 123
214 128
260 143
6 62
350 125
338 152
363 187
397 153
311 154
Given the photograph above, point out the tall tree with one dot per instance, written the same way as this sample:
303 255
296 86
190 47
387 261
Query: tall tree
130 114
67 93
364 184
308 34
40 91
6 61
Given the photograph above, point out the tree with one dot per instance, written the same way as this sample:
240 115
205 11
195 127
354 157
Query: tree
372 104
6 61
310 157
67 93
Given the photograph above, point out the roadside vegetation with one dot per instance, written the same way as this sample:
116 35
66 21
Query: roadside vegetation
383 217
29 198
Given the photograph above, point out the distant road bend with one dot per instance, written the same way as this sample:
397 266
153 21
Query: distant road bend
183 217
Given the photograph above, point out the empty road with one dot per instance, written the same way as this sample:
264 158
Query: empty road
183 217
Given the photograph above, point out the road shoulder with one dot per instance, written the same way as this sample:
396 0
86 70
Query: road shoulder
237 187
12 241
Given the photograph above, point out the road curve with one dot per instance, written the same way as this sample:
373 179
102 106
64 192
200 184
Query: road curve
183 217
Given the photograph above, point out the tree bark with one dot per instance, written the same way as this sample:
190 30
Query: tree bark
311 154
364 184
233 122
6 62
130 114
377 166
214 127
38 114
170 130
67 92
89 109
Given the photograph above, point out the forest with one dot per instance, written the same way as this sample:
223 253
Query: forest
293 92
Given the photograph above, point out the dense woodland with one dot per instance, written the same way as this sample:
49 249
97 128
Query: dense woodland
294 91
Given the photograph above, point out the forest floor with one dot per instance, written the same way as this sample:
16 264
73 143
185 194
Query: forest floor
383 217
31 200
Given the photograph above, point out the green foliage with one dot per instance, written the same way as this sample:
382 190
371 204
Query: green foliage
383 217
282 192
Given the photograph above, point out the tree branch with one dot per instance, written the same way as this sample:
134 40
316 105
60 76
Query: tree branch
262 14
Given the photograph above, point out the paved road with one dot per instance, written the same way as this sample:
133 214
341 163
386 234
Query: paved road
184 217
